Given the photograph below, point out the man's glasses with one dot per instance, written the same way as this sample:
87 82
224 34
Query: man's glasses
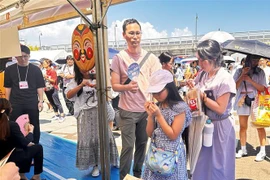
133 33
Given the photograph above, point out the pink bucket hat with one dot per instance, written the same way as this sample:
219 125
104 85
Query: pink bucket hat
159 80
22 120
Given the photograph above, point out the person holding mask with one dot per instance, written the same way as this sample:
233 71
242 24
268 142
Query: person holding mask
67 73
217 91
11 137
133 96
24 86
82 91
249 80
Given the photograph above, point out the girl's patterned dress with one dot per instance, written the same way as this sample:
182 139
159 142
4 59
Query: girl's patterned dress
162 141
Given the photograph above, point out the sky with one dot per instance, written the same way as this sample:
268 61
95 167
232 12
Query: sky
166 18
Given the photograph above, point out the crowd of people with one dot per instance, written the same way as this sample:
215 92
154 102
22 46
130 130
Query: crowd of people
150 106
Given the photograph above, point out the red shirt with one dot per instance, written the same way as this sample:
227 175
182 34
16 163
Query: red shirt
51 73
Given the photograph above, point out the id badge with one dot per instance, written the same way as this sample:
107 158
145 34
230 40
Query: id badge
23 85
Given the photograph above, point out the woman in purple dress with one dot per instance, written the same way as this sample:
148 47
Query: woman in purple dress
166 122
217 90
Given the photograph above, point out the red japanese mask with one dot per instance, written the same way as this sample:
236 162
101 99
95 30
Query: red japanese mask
83 47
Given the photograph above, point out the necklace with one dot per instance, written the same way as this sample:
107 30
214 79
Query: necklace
19 75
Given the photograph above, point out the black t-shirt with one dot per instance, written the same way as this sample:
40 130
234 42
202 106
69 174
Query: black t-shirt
34 79
15 140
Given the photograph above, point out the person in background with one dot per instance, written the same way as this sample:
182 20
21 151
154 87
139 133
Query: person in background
242 63
230 68
195 69
166 122
49 106
11 137
249 80
51 90
24 86
179 73
217 92
266 69
9 171
82 91
166 61
67 73
133 96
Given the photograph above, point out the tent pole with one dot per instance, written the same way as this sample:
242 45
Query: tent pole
101 56
101 87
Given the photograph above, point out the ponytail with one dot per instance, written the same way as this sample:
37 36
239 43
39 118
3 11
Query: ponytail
5 109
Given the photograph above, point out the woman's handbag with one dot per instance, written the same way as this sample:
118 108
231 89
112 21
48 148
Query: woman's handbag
260 109
248 100
161 161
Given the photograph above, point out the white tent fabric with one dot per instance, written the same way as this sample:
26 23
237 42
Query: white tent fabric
219 36
50 54
40 12
37 11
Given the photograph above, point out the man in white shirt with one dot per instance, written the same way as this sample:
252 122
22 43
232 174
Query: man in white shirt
266 69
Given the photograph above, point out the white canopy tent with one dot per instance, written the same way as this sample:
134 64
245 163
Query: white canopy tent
31 13
50 54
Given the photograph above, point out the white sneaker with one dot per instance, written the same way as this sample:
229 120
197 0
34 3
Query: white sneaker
260 156
95 171
55 117
240 154
61 119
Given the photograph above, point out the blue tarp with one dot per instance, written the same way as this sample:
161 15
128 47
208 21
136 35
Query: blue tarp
60 159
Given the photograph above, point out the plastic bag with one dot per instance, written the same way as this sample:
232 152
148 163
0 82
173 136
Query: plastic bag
194 101
260 109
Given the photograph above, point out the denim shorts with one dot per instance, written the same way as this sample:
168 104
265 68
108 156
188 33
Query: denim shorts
244 110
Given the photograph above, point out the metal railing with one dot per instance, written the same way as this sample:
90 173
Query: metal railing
184 44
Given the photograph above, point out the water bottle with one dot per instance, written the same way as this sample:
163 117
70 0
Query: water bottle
208 131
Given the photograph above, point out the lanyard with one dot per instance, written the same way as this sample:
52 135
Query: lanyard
19 75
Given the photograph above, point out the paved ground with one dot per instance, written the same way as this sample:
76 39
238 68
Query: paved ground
246 167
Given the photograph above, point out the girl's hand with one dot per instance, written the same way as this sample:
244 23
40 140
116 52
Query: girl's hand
154 109
85 82
9 171
245 71
247 78
146 107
